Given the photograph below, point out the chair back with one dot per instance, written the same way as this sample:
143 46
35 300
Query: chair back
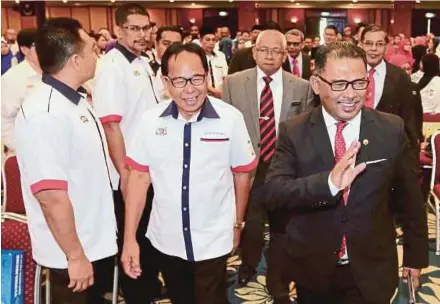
13 197
15 235
431 124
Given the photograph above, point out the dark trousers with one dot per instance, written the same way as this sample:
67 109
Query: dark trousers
343 290
61 294
194 282
147 286
252 242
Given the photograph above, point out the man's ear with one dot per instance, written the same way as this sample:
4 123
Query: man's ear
74 61
254 53
314 81
118 31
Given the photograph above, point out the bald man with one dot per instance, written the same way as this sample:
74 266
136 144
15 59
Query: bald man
270 96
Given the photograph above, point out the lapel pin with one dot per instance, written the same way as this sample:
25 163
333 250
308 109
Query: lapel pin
365 142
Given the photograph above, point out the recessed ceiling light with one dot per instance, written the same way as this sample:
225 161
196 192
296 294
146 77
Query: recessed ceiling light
429 15
292 0
112 1
354 1
193 4
222 13
417 1
17 1
298 3
325 14
171 1
64 1
231 0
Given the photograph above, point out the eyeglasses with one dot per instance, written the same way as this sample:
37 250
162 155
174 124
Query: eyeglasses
267 51
137 29
181 82
295 44
370 44
341 85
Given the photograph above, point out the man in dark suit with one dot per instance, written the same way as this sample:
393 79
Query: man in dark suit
263 107
298 62
390 88
334 168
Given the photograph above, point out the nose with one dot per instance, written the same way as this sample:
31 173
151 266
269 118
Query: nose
350 92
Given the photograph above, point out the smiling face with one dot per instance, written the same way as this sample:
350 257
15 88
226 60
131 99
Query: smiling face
190 98
342 105
374 45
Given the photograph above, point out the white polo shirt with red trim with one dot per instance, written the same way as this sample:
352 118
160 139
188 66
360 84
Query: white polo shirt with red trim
123 91
191 164
61 145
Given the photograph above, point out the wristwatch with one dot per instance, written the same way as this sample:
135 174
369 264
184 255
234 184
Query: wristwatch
240 225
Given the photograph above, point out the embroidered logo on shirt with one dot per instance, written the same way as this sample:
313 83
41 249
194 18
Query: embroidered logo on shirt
161 131
84 119
136 73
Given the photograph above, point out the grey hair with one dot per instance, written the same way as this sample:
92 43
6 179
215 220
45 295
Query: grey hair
337 50
275 32
295 32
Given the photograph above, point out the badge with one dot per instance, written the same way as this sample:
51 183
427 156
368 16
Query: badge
161 131
137 73
365 142
84 119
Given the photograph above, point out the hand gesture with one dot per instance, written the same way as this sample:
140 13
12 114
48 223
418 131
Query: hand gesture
343 174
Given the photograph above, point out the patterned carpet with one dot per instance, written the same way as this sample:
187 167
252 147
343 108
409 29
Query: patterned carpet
256 292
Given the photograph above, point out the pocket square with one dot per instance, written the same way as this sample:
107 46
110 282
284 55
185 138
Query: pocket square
214 139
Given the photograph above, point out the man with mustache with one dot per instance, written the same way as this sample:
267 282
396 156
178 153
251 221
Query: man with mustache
334 168
123 91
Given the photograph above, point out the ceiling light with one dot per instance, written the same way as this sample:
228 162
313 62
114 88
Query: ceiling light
429 15
357 20
112 1
64 1
231 1
222 13
325 14
17 1
171 1
298 3
354 1
417 1
392 21
292 0
192 20
193 4
294 20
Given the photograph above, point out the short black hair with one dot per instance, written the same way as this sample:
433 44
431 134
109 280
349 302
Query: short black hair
337 50
176 48
128 9
26 37
374 28
206 30
56 41
257 27
169 28
272 25
245 31
332 27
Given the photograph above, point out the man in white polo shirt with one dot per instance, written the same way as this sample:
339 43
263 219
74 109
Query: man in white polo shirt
123 91
62 155
197 152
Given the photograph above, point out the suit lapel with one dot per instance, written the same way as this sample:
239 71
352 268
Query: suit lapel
288 97
367 140
321 140
252 98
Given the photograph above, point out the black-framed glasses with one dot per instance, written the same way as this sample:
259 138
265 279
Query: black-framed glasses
181 82
137 29
294 44
341 85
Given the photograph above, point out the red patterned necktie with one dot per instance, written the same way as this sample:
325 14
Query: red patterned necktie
339 152
369 100
268 134
295 68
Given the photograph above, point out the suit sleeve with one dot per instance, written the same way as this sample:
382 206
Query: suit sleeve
310 104
284 188
234 65
411 207
226 93
411 111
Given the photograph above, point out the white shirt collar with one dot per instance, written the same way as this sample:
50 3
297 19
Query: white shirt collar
380 68
276 77
330 121
298 58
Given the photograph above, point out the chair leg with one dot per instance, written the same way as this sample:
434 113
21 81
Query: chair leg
115 282
37 284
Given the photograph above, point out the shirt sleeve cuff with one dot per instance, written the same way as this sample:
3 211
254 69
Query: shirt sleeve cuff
135 165
333 189
110 118
246 168
48 184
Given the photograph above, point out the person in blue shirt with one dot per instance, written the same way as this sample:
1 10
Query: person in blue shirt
6 57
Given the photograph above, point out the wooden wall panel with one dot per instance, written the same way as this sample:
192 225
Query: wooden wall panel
82 15
158 16
4 20
28 21
55 12
98 18
14 19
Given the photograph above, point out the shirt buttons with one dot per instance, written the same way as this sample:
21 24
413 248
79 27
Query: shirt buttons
185 228
185 166
184 209
186 144
184 187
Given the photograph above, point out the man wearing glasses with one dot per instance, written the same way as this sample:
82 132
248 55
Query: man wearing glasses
298 62
266 95
123 91
390 89
334 169
197 152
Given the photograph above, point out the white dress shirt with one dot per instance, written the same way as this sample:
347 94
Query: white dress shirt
379 80
299 60
276 85
431 96
217 61
350 134
17 83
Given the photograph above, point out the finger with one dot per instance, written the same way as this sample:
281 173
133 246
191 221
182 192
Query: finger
72 284
91 281
352 150
77 286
